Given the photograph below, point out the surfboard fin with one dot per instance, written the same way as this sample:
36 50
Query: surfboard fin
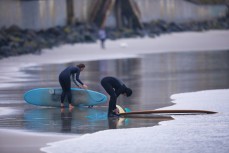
127 110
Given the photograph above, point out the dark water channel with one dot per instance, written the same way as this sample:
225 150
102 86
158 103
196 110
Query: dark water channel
153 78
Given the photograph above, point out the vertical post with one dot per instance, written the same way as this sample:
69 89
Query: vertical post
118 14
70 11
227 14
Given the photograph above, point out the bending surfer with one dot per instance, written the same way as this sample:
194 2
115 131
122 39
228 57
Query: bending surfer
114 87
65 82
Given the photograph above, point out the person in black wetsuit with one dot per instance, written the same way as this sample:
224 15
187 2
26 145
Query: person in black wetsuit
114 87
65 82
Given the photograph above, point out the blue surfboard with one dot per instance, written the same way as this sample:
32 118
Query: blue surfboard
51 97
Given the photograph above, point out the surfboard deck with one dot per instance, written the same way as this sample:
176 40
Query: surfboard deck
51 97
183 111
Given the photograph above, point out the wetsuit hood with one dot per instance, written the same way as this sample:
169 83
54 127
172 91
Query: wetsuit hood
128 92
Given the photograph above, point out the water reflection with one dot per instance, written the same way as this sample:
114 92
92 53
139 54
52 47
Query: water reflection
82 120
153 79
66 119
78 120
169 73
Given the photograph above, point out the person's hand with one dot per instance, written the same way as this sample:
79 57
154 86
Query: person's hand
84 86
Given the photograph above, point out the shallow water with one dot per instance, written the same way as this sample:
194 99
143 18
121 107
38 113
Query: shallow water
153 78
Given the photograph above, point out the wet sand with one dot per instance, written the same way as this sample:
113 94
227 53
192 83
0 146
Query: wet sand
15 141
126 48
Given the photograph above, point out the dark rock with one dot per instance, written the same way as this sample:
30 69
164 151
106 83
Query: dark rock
15 41
14 29
88 37
5 51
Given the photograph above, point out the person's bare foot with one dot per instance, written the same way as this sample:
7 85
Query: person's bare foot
116 111
71 107
62 110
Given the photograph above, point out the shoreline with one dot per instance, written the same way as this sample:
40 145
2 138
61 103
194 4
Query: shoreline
17 41
126 48
213 40
169 136
123 48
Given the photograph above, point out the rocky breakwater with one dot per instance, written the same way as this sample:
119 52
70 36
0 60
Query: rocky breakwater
16 41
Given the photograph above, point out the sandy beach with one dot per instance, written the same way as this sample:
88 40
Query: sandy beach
12 141
123 48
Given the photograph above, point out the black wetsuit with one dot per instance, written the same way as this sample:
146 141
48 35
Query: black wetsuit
65 81
114 87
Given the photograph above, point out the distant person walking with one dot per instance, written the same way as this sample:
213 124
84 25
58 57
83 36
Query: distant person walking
114 87
65 82
102 37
